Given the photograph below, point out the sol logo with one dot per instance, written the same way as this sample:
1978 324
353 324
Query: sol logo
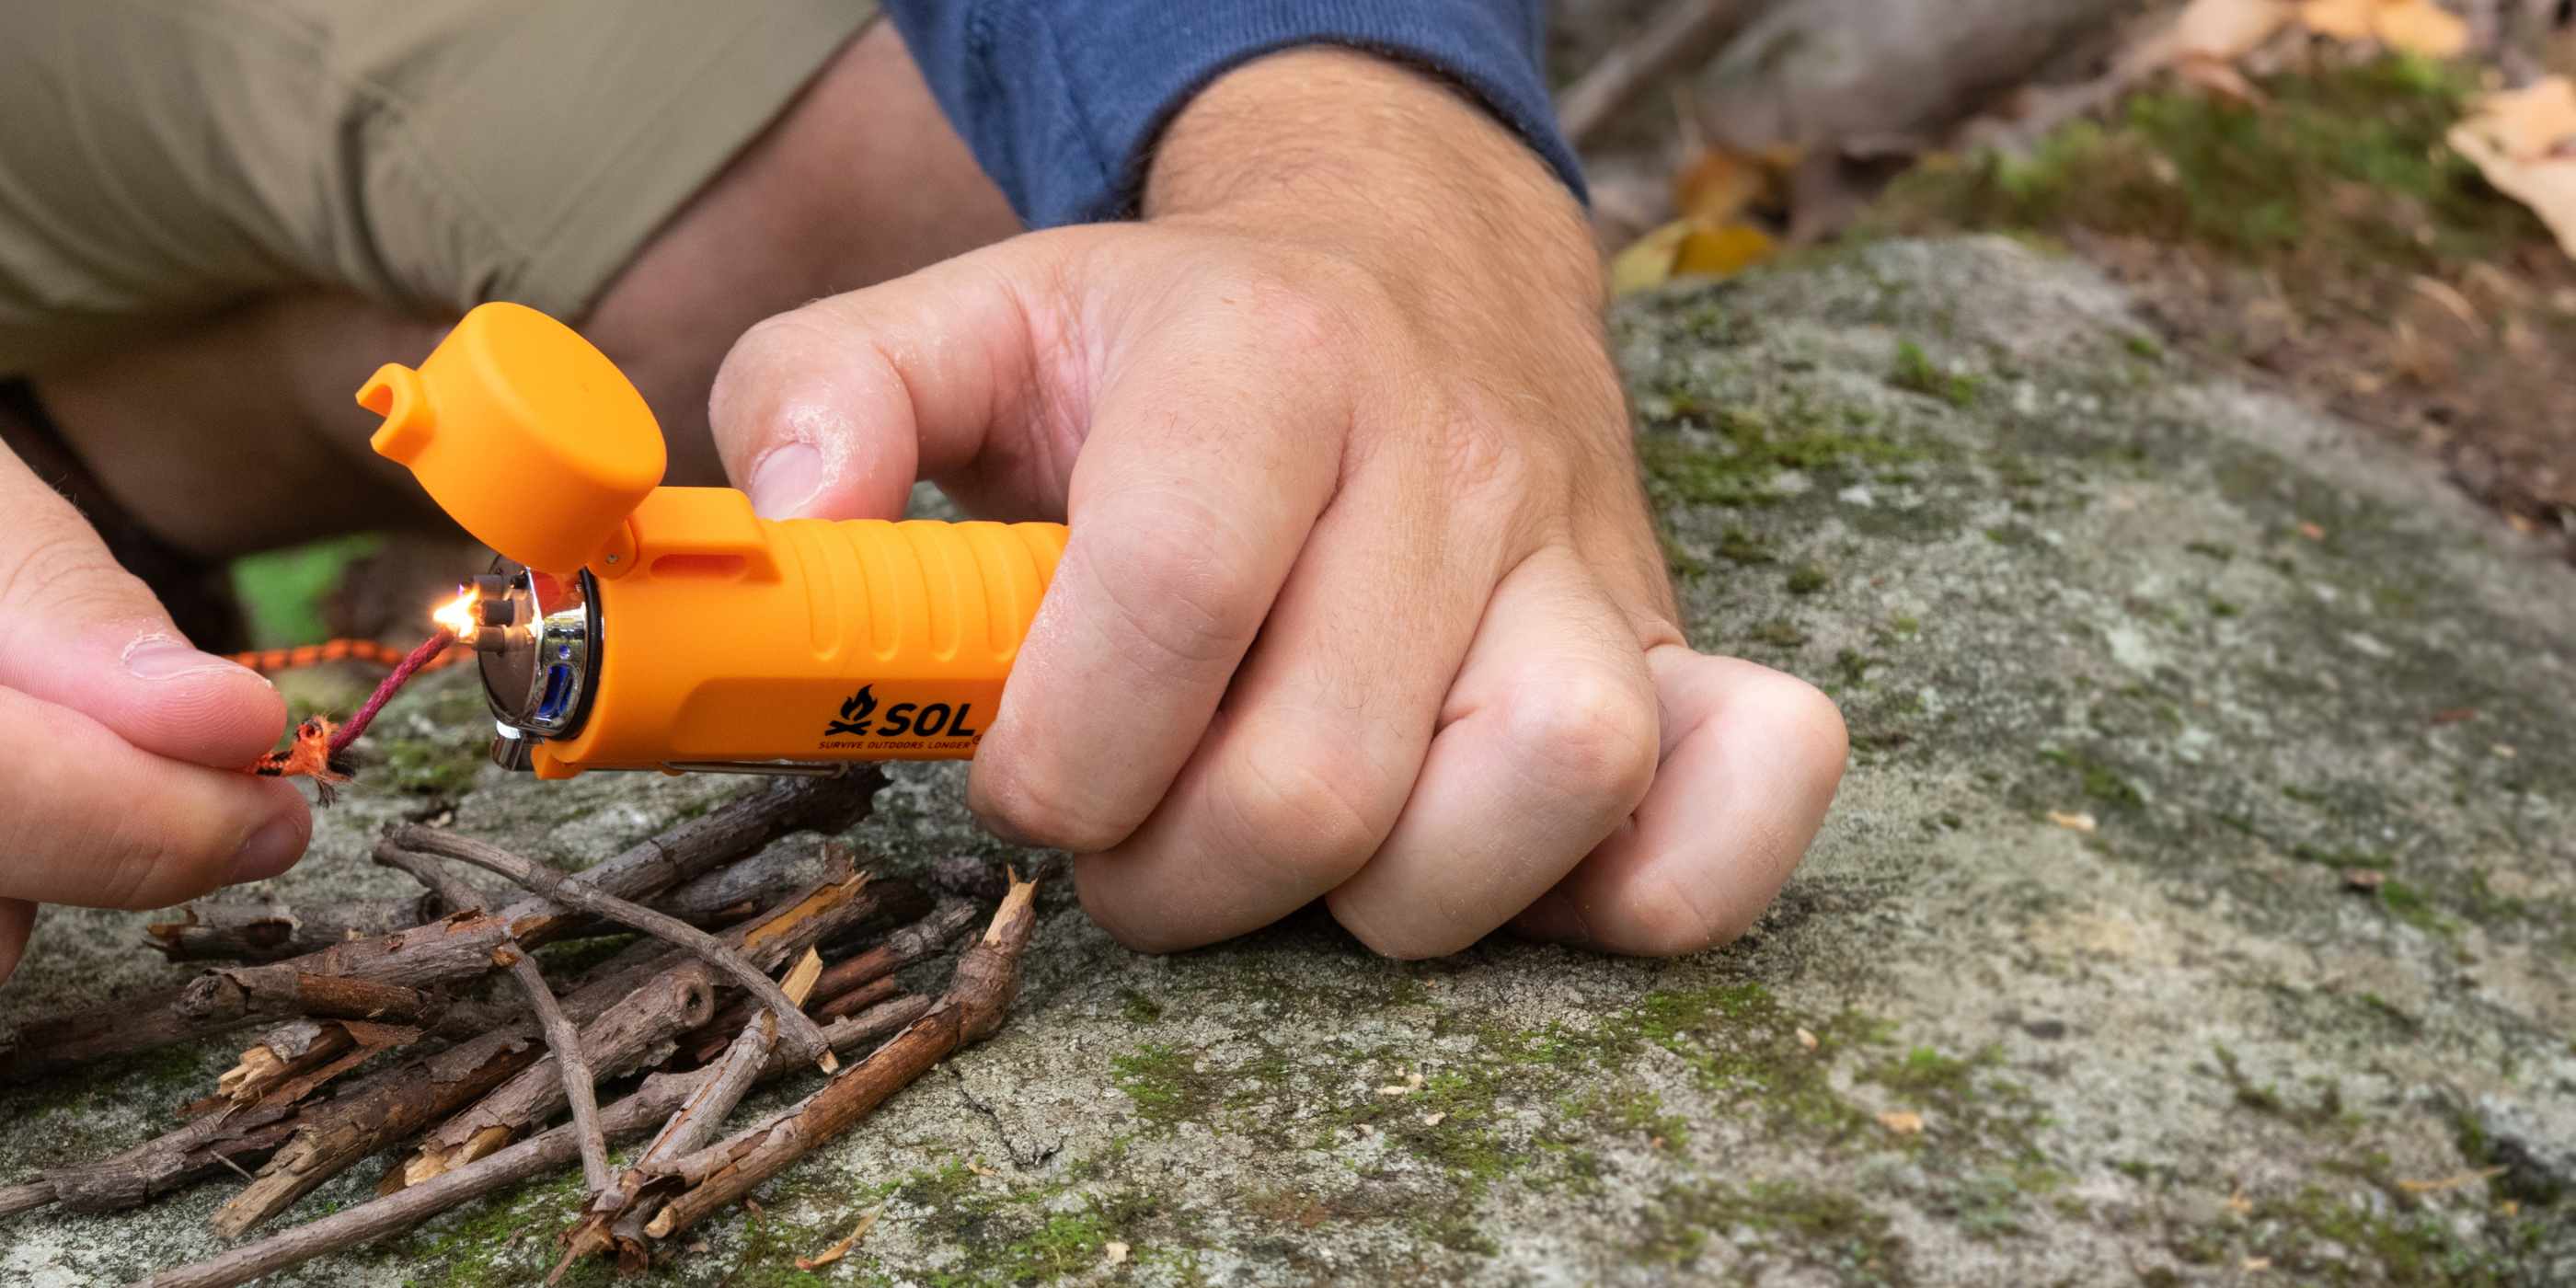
902 720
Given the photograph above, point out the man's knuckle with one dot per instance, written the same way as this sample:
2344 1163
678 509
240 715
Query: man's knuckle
1044 807
63 566
1307 809
1660 919
1180 584
1589 735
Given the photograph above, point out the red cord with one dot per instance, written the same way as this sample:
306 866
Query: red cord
413 663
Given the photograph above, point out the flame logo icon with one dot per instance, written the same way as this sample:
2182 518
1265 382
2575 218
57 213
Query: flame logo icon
855 715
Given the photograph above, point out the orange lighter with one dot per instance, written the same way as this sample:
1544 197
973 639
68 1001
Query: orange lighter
635 626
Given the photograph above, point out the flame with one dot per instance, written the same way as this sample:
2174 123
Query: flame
456 616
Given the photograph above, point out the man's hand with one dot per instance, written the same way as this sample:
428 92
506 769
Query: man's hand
121 747
1361 598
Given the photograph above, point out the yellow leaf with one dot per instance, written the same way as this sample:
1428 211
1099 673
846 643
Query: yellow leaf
1722 251
1647 262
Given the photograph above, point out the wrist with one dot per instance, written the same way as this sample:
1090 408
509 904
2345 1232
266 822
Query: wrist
1344 148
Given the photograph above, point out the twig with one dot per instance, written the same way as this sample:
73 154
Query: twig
978 997
1678 30
266 930
455 950
350 1227
619 1038
691 1126
800 1033
394 1104
579 1084
843 990
15 1199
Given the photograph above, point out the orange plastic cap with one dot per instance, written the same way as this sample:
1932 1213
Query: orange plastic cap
526 434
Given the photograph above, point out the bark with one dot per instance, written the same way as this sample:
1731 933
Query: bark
457 949
1681 30
977 1000
798 1031
651 1103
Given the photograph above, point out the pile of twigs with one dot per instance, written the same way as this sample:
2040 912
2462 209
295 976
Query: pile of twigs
753 960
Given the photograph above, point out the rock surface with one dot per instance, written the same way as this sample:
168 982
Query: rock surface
2204 886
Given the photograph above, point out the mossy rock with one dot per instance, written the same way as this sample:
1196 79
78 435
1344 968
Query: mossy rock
2162 1049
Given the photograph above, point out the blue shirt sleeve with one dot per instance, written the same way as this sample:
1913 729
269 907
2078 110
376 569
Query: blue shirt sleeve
1062 99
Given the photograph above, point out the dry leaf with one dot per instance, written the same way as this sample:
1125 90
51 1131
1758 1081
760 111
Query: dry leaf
2257 1265
1115 1251
1723 251
1718 185
2225 30
1806 1039
2077 822
2416 26
2524 142
2364 878
1688 248
1434 1120
1904 1122
1648 261
2312 532
842 1249
976 1165
2221 79
2239 1204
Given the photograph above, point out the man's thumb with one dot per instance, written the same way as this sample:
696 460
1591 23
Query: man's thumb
80 632
832 410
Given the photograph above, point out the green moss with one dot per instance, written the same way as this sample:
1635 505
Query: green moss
1737 546
1138 1008
2099 782
1165 1084
1778 632
1915 372
1784 1223
1807 579
2410 905
2268 183
1734 458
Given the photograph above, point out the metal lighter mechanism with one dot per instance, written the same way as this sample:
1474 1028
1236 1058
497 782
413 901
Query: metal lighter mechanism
634 626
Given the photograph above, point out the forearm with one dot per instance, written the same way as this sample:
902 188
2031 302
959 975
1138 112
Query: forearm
1340 144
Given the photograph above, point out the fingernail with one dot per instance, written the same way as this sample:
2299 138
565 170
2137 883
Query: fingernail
272 849
785 479
161 657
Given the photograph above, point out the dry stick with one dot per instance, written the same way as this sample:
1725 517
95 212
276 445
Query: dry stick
620 1037
841 988
350 1227
579 1084
266 930
690 1126
1680 29
978 998
800 1033
220 1000
392 1105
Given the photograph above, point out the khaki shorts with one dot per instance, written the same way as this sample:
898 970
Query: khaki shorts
163 159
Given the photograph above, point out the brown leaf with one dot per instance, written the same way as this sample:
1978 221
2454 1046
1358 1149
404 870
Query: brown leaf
2076 822
2364 878
1904 1122
2524 142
